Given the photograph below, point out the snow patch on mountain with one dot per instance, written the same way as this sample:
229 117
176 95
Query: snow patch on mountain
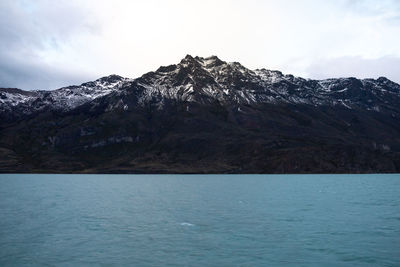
65 98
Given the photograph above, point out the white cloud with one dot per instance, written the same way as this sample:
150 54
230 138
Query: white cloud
356 67
88 39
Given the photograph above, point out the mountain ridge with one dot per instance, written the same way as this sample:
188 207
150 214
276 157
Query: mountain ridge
212 74
204 115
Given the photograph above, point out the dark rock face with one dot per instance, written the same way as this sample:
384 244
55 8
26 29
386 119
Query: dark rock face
204 115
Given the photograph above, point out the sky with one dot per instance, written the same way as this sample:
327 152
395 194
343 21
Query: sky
47 44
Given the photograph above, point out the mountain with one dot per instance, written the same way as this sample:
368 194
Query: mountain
204 115
16 103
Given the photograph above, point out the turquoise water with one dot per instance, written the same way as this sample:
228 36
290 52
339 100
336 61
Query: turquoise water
195 220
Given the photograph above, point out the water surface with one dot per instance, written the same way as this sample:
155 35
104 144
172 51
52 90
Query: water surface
200 220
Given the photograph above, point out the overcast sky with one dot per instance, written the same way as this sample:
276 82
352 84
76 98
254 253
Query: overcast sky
47 44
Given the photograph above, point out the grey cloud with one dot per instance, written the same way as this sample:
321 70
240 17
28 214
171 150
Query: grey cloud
31 74
373 7
28 28
388 66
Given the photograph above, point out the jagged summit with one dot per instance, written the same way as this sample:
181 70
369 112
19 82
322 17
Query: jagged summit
111 78
203 62
209 62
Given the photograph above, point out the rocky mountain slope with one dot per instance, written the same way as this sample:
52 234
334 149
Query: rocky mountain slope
17 103
204 115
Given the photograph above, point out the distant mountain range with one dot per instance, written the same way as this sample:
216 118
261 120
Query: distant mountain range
204 115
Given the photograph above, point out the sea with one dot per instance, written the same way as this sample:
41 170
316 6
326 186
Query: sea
199 220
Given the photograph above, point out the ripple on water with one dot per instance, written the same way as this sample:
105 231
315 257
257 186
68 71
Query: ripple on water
186 224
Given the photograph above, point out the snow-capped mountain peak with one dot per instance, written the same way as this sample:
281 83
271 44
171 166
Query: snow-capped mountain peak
204 80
